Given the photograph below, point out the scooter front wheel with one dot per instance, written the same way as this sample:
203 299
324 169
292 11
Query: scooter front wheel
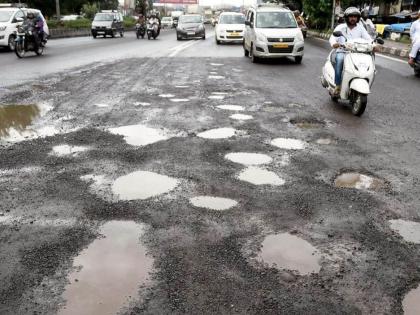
359 104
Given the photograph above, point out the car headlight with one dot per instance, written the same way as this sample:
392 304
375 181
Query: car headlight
3 28
299 37
261 37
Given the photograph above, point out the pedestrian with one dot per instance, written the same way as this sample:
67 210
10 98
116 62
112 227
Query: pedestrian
415 40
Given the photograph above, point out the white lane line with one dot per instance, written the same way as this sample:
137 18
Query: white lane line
391 58
178 49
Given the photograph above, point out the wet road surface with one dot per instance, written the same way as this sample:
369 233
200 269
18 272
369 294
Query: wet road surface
178 177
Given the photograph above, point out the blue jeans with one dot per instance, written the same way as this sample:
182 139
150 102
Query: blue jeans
339 64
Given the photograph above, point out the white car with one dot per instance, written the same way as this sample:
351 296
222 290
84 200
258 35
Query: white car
230 27
272 32
10 18
167 22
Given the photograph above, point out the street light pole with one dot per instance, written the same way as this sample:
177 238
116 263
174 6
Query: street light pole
333 15
57 9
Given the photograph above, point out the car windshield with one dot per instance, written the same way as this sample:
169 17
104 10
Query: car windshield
276 20
5 15
190 19
232 19
104 17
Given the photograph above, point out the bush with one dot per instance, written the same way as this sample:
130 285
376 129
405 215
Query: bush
76 24
89 10
129 22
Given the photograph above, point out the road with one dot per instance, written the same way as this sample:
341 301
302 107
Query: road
167 177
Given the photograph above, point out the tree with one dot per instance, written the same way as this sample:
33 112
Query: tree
89 10
141 6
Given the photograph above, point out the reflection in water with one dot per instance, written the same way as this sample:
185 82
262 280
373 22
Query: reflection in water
411 302
112 269
16 117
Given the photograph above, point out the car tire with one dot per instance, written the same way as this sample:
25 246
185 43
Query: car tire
11 44
178 37
204 37
121 34
246 52
217 41
254 59
113 34
94 35
298 60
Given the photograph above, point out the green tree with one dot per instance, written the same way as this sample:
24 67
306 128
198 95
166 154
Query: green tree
141 6
89 10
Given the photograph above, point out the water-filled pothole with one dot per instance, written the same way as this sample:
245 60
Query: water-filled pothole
218 133
287 251
324 141
179 100
358 181
216 97
143 185
101 105
216 77
17 118
241 117
109 271
140 135
259 176
288 144
307 123
409 230
65 149
411 302
144 104
167 95
231 107
213 203
249 158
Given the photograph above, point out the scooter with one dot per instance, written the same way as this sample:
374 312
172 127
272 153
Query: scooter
358 73
152 30
140 30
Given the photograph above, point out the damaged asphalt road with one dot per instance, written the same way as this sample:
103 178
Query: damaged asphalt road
208 185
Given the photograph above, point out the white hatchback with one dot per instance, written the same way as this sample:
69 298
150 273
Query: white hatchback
230 27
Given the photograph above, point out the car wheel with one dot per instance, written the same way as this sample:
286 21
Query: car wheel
298 60
178 37
204 37
246 52
251 54
94 35
217 41
121 34
113 34
11 43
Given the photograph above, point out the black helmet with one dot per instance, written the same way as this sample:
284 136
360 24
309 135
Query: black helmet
30 15
352 11
365 13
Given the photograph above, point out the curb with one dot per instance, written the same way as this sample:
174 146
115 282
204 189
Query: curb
385 49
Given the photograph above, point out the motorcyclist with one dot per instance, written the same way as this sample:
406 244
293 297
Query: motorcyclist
351 30
299 18
153 20
38 24
368 24
415 40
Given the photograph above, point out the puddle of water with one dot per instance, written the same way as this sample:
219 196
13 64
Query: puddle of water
307 123
101 105
409 230
231 107
143 185
217 64
112 269
167 95
179 100
268 102
140 135
241 117
64 149
287 251
219 93
288 144
324 141
249 158
219 133
216 97
213 203
181 86
411 302
214 73
141 104
216 77
258 176
17 118
358 181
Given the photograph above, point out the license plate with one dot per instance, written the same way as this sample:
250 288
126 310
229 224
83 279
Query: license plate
281 45
190 33
235 34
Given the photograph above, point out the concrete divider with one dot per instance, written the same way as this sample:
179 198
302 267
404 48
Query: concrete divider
68 32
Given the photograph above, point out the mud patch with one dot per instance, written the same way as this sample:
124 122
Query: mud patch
249 158
411 302
409 231
140 135
213 203
219 133
231 107
358 181
288 144
259 176
241 117
287 251
143 185
64 149
109 271
307 123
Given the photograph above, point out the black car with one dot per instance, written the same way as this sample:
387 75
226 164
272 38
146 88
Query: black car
190 26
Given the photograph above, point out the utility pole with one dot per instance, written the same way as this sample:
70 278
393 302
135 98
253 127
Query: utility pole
333 15
57 9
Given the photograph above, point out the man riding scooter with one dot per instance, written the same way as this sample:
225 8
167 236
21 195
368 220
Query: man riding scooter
368 24
415 39
352 30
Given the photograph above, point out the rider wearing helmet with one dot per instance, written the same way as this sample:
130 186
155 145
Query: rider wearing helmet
351 30
368 24
34 21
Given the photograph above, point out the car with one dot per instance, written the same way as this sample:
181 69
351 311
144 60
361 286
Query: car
167 21
230 27
107 22
271 31
10 18
190 26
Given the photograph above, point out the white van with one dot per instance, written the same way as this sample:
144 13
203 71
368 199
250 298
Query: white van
230 27
10 18
272 32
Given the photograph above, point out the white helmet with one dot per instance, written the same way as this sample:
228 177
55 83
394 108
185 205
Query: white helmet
352 11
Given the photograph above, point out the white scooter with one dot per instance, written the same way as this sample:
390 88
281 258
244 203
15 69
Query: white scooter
358 73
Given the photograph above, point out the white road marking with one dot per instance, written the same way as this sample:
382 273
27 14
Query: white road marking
179 48
391 58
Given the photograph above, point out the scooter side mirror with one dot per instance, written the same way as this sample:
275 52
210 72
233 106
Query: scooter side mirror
380 41
338 34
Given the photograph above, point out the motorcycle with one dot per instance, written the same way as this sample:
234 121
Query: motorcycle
140 30
152 30
358 73
26 40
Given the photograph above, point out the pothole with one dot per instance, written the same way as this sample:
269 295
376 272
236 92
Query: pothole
101 105
259 176
182 86
109 271
216 97
141 104
249 158
140 135
358 181
307 123
219 93
287 251
409 230
179 100
218 133
288 144
241 117
324 141
143 185
217 64
65 149
411 302
231 107
213 203
167 95
216 77
16 118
